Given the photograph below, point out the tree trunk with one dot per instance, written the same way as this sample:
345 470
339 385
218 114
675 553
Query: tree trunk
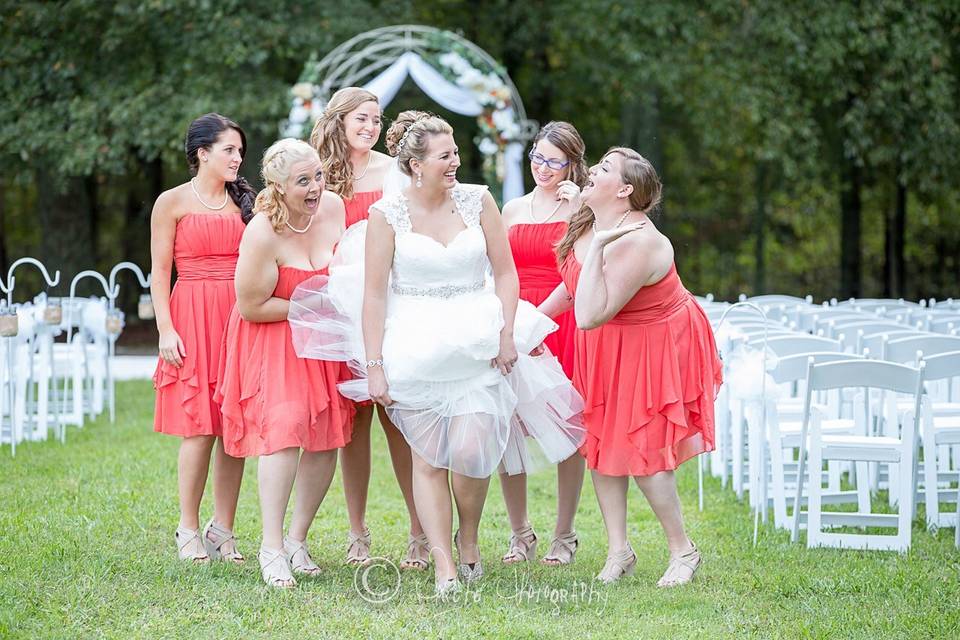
850 231
899 237
4 262
92 188
136 232
759 230
62 211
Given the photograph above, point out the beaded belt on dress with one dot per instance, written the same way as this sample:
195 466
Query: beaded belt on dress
445 291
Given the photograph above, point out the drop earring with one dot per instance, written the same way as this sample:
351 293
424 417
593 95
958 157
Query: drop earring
419 180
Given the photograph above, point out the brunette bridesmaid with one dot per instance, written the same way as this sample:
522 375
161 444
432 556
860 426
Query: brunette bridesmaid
197 227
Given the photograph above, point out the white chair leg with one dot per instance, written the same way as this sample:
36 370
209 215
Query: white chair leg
814 505
863 486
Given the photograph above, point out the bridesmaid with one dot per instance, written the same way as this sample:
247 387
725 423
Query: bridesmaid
344 137
536 223
197 226
646 362
274 403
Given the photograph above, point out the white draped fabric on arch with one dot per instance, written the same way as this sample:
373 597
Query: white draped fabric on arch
451 71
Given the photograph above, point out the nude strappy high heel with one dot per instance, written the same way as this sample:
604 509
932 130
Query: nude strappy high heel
523 546
418 553
275 568
214 537
184 539
682 568
618 565
358 547
563 549
299 557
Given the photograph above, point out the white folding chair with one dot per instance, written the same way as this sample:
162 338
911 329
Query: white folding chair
867 374
785 419
940 430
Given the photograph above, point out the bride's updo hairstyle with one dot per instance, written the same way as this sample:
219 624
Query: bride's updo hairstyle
409 136
275 169
647 190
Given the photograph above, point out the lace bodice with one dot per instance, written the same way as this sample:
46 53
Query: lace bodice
421 263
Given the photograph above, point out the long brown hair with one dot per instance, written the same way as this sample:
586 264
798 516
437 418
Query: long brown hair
330 139
636 171
564 136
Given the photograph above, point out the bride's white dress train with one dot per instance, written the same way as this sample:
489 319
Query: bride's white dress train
442 330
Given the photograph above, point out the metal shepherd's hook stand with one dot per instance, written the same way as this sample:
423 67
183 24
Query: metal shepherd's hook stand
111 294
8 289
112 337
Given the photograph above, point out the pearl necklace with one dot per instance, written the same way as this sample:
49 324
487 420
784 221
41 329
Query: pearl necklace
304 230
552 213
226 196
365 167
616 226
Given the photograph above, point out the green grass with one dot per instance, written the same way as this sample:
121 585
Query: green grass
86 551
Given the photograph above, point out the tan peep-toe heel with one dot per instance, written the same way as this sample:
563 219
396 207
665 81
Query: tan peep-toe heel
618 565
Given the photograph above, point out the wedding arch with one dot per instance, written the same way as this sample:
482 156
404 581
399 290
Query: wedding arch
455 73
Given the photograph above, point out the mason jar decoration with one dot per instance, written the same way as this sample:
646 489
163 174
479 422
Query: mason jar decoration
145 307
115 322
53 312
9 323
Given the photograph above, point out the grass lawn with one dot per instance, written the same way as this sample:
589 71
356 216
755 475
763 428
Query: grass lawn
87 551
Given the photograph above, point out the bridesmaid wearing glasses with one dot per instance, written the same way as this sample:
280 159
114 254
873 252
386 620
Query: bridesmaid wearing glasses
536 222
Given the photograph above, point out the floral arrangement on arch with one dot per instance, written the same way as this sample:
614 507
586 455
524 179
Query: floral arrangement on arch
306 106
498 121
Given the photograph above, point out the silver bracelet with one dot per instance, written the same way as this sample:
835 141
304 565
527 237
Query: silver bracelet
375 363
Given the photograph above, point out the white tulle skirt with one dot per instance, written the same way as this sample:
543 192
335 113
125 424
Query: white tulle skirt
453 407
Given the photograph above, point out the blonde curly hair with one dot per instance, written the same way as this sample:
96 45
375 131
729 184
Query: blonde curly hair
330 140
275 169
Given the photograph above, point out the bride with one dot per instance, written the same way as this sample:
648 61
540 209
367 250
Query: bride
442 349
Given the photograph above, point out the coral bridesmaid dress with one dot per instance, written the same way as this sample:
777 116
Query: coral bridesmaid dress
270 398
532 246
358 207
649 378
205 255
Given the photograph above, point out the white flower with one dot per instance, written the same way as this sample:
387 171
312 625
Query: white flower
302 90
488 147
298 114
502 119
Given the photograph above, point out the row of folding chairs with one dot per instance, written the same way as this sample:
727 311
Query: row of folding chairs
762 437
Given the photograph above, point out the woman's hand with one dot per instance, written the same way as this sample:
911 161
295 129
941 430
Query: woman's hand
603 238
569 191
171 348
507 356
377 386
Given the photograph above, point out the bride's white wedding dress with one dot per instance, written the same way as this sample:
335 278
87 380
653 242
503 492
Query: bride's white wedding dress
442 329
